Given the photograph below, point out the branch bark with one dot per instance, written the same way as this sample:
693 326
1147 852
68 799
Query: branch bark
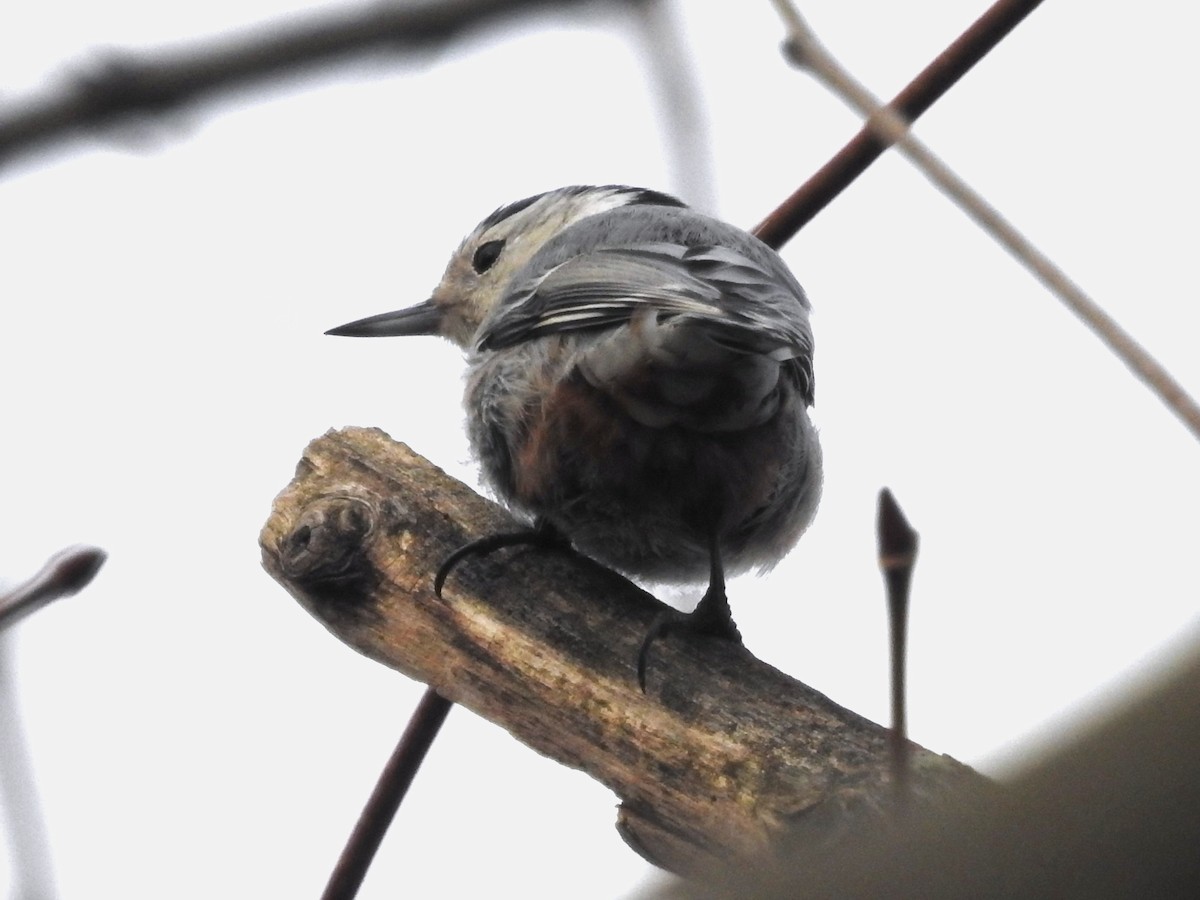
723 758
1112 812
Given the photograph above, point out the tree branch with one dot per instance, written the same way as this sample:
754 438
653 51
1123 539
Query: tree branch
67 572
389 793
806 51
1112 812
724 757
119 85
917 96
671 69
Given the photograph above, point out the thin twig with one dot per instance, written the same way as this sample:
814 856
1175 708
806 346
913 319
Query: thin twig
897 555
21 811
117 86
64 574
807 52
381 808
677 94
867 146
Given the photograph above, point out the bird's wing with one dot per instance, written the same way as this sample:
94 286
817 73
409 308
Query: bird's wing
688 309
715 286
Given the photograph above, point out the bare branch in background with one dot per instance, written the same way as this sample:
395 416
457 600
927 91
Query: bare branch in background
115 87
918 95
393 784
807 52
66 573
677 92
20 807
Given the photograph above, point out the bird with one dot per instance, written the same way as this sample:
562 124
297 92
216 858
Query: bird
639 380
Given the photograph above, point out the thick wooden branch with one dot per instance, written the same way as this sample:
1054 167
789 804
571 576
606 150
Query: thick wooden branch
723 756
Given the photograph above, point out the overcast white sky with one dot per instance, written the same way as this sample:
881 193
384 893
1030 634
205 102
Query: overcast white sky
163 365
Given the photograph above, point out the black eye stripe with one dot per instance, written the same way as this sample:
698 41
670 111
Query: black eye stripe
485 257
511 209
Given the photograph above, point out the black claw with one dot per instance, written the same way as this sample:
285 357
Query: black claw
662 625
541 534
483 546
711 618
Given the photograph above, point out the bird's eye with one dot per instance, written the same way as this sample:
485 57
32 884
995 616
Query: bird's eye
487 254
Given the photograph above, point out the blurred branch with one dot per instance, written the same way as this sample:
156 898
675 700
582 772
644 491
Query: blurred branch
66 573
118 85
20 807
806 51
677 93
724 757
868 145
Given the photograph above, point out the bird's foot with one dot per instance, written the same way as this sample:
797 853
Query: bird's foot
711 618
540 534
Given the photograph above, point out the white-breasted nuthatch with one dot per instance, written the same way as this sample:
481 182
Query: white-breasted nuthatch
639 381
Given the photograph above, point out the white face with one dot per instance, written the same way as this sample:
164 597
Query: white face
478 274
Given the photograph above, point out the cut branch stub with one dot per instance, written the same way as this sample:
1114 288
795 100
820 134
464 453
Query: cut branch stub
723 758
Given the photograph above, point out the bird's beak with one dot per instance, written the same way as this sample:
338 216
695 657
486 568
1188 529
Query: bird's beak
424 318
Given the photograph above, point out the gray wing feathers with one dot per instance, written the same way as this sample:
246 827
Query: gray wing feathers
671 372
683 320
607 286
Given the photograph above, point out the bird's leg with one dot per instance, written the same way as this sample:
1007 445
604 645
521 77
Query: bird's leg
711 616
540 534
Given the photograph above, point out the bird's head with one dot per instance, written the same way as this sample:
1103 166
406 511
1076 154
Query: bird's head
481 269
